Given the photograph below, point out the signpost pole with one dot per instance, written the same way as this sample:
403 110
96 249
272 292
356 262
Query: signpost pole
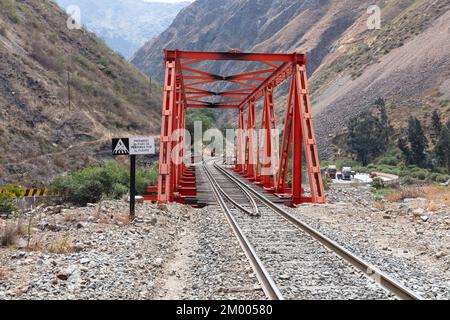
132 147
132 186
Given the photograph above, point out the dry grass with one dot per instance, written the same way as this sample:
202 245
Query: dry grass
63 245
405 193
122 219
379 205
36 245
432 207
118 219
3 274
74 217
11 232
435 195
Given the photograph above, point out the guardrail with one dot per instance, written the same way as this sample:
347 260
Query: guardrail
29 192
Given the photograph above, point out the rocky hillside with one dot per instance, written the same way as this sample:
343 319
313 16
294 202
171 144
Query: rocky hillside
126 25
40 58
406 61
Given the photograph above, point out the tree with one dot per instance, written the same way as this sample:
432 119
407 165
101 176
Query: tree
442 149
206 116
404 148
369 134
436 125
383 119
418 142
366 138
415 151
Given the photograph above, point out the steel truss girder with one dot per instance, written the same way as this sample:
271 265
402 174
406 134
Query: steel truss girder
255 153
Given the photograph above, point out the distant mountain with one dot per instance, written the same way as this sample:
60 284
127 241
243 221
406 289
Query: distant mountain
41 134
406 61
126 25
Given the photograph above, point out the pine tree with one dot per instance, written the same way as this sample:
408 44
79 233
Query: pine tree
404 148
442 149
383 119
366 138
417 142
436 125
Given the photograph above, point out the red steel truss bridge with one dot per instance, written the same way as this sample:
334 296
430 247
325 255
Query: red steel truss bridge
187 85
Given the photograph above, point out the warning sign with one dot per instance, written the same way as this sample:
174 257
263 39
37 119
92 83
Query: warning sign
143 145
120 146
133 146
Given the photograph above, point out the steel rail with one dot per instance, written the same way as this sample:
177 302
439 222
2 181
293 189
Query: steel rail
368 269
237 205
266 281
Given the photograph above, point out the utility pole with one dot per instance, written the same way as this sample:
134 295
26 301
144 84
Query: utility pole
150 86
68 89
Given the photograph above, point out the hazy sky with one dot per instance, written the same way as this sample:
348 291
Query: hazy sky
171 1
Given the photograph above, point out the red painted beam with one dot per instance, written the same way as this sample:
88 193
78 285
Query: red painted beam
235 56
282 73
201 106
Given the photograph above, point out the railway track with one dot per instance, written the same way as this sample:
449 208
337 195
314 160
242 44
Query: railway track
291 259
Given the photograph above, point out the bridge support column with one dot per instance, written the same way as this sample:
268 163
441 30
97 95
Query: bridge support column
303 119
299 128
240 144
269 147
250 147
165 187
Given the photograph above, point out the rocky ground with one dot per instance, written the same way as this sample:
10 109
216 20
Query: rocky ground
405 238
176 252
169 252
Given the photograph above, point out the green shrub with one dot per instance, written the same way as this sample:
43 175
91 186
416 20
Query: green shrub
389 160
347 163
10 8
103 61
326 182
377 183
146 177
91 184
109 180
14 190
118 190
442 178
407 180
433 176
7 196
420 174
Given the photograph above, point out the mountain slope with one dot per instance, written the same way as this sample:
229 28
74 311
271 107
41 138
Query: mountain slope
247 25
125 25
406 61
44 135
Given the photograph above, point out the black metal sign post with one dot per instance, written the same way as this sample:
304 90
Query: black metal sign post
132 186
133 147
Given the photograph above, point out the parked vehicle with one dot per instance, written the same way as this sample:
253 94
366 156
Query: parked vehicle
346 173
331 172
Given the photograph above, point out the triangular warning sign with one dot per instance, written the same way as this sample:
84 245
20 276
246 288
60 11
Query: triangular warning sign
120 148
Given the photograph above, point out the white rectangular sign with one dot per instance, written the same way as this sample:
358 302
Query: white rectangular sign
143 145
